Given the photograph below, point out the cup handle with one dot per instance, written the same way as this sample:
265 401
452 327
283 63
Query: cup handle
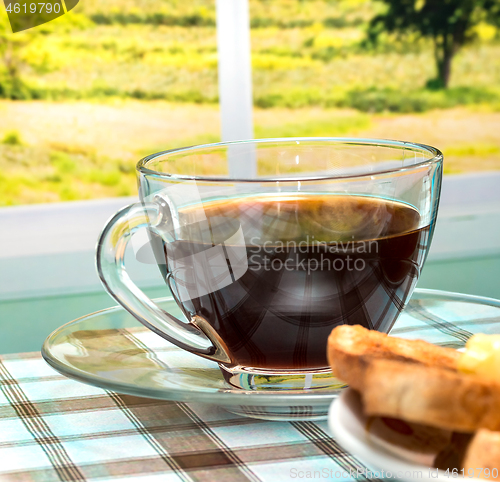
110 260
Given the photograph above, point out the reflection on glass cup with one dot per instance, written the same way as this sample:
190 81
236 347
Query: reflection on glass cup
320 232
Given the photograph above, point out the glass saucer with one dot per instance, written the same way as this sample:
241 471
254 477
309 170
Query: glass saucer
110 349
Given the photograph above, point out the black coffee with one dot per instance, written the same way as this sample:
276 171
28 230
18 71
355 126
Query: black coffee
274 275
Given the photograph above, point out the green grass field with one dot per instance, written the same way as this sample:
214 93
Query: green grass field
111 82
60 151
303 54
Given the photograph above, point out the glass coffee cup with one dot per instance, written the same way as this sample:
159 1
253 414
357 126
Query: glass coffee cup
319 232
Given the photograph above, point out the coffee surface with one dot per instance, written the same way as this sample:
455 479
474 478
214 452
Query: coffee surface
273 275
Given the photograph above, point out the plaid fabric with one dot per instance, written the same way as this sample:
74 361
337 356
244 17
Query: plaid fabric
53 428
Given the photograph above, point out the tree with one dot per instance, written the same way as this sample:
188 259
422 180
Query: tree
449 23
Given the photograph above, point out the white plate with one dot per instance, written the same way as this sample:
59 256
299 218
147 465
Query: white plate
391 455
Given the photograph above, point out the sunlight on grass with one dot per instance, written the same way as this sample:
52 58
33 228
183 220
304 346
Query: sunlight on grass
56 175
472 150
66 165
335 126
303 54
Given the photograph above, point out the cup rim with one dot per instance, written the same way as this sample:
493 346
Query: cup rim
436 153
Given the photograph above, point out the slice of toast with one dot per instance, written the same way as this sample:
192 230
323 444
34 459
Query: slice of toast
434 396
412 380
351 348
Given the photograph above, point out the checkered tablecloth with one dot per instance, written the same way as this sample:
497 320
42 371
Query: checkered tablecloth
53 428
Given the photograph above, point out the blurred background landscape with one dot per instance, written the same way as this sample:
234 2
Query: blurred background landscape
85 96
